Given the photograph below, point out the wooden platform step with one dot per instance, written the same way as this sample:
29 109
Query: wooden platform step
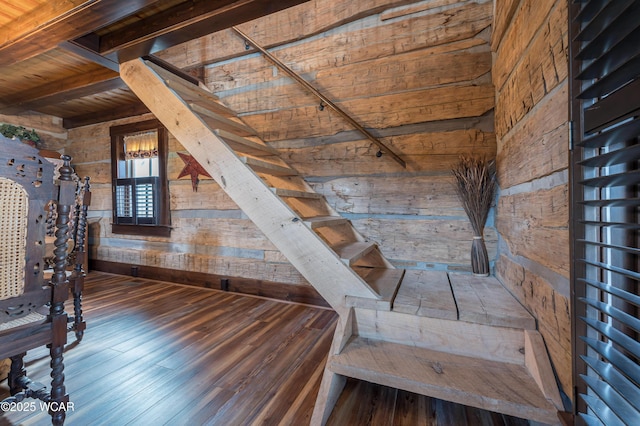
483 300
260 166
480 300
427 294
217 121
244 145
497 386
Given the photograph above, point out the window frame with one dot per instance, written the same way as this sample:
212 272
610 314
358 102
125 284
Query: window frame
163 227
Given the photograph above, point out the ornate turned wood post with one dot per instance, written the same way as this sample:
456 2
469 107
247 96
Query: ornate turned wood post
60 290
16 373
78 273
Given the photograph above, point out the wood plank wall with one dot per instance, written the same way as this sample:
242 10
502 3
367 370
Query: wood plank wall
209 235
52 135
529 42
416 73
417 76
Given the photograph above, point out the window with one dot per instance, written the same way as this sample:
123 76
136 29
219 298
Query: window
138 169
605 171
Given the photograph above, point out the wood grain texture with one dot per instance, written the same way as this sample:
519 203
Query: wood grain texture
551 310
488 342
319 16
431 153
530 16
537 362
538 145
208 197
431 240
385 282
410 409
381 112
484 300
364 78
83 151
410 195
60 21
272 270
299 293
542 67
427 294
535 225
530 75
503 13
155 341
471 381
49 128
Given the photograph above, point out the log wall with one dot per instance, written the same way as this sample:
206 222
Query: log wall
210 235
53 136
433 79
529 73
416 74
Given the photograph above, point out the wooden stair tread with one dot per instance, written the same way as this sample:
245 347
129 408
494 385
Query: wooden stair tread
196 95
245 146
282 192
188 91
491 385
215 107
384 282
427 294
260 166
484 300
320 221
351 252
217 121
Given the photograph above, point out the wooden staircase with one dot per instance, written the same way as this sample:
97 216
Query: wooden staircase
413 330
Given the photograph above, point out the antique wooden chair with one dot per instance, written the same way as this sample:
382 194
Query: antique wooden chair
31 308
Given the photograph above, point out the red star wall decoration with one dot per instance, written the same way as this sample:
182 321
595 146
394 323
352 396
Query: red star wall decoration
192 168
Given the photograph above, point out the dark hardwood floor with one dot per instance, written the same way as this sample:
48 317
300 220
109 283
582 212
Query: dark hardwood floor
160 353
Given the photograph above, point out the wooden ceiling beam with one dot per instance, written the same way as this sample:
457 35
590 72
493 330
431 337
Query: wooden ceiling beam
57 21
185 22
78 86
130 110
88 54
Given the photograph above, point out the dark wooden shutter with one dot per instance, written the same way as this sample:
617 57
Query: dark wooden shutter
605 175
137 201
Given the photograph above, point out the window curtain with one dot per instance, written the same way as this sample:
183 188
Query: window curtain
141 145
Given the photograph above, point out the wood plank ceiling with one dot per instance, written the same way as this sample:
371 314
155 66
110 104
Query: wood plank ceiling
60 57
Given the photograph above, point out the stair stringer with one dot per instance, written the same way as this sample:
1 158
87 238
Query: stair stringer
306 251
